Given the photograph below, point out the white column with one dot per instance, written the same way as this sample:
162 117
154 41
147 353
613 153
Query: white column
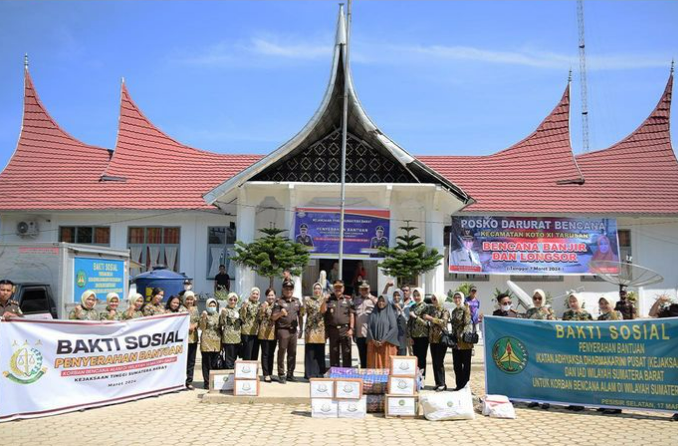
435 228
245 227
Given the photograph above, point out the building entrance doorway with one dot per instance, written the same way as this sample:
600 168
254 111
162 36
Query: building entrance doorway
352 270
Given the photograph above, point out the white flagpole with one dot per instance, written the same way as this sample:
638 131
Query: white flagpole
344 133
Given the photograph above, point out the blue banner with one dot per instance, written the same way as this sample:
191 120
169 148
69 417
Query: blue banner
614 364
533 245
365 230
103 276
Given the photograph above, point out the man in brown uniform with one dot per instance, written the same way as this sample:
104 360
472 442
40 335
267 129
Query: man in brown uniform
288 326
8 308
339 323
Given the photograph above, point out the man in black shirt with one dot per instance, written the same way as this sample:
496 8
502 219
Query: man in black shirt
505 309
222 281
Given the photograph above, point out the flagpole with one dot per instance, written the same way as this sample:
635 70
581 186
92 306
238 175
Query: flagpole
344 133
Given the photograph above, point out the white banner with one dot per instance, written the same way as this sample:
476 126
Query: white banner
51 367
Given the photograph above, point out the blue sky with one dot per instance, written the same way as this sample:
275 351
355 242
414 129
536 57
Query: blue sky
243 77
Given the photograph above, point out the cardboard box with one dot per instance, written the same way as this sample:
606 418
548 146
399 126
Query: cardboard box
403 366
221 380
324 408
246 387
353 408
348 388
401 406
246 369
402 385
322 387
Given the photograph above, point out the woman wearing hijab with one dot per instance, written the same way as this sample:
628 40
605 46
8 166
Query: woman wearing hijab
230 324
133 311
322 280
417 329
210 339
155 306
267 334
111 312
193 321
315 308
462 352
575 311
438 317
540 310
382 335
607 313
249 326
395 300
85 311
604 251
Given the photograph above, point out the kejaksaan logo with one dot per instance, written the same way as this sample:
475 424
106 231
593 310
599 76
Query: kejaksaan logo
25 365
509 355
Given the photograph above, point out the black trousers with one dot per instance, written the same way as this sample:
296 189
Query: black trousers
361 343
209 362
438 352
267 355
462 366
314 361
340 347
250 347
190 362
287 346
420 349
230 352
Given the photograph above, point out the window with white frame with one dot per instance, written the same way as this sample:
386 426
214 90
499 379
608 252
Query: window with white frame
154 245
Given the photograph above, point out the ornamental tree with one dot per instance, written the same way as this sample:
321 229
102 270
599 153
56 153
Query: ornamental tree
272 254
409 258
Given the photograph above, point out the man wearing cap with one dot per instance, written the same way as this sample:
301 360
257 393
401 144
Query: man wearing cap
339 324
288 327
625 306
363 305
465 256
379 240
8 308
303 236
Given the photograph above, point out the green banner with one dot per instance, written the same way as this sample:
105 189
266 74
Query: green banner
612 364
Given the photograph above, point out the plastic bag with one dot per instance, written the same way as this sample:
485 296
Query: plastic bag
448 405
498 406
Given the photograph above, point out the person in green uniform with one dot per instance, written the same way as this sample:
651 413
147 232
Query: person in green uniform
192 309
210 339
249 328
438 317
111 312
136 303
606 311
155 306
575 311
8 308
314 359
462 352
266 334
230 324
541 312
86 311
418 329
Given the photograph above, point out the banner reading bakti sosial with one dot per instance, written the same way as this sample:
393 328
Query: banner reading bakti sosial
614 364
51 367
533 245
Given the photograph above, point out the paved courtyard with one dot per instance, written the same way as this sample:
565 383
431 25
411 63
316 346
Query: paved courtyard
182 419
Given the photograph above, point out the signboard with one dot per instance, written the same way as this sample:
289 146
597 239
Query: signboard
614 364
103 276
532 245
365 230
51 367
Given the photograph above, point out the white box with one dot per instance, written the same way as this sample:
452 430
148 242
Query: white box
401 406
353 408
324 408
246 369
246 387
223 382
402 385
322 387
348 388
403 366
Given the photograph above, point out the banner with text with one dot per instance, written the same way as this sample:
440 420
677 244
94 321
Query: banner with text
101 275
533 245
51 367
613 364
365 230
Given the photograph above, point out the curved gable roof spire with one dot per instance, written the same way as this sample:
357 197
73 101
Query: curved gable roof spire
327 118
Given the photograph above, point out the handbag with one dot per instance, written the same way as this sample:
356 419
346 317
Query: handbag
472 338
448 339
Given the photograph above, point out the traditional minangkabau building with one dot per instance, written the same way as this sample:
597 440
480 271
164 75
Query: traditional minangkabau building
183 207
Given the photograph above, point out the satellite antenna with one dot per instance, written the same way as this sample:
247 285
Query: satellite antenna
523 298
625 273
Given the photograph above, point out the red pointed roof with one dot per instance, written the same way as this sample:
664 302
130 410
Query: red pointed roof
49 169
637 175
523 178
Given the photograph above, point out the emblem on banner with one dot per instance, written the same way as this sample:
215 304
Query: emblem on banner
25 365
81 279
509 355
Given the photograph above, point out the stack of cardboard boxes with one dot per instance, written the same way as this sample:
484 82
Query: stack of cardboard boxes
338 398
403 394
246 378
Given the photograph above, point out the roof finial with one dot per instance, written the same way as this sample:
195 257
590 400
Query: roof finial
26 61
122 80
569 76
672 63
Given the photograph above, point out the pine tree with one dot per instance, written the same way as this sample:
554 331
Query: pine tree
409 258
272 254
